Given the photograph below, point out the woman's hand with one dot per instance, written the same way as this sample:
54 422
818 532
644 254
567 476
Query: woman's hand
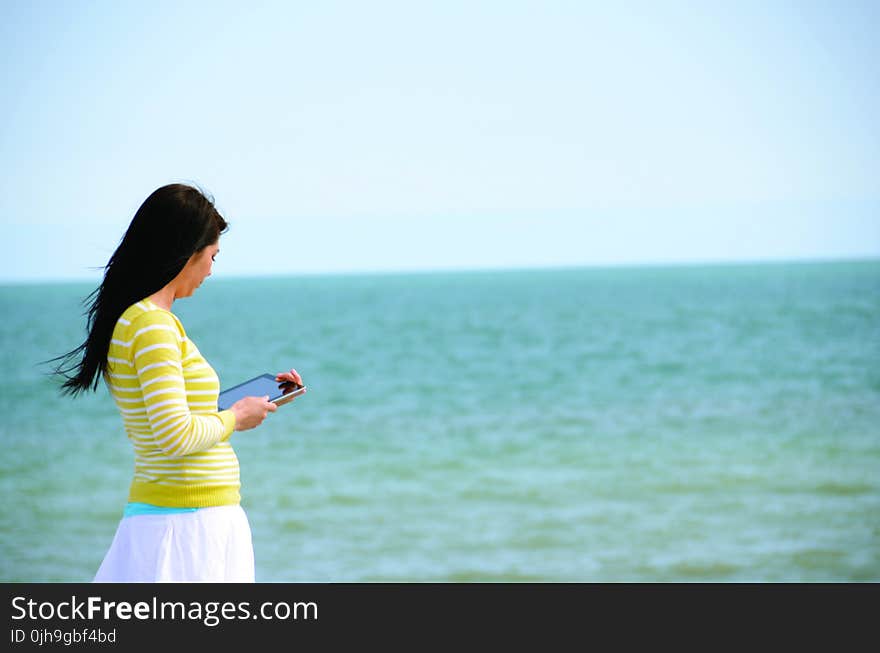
251 411
289 377
292 375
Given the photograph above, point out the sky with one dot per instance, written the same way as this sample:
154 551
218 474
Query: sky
397 136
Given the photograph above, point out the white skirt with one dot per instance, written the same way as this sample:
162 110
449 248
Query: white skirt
209 545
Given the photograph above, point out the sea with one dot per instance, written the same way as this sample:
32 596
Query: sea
650 424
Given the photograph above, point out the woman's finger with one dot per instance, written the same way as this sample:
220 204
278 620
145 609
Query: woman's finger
292 375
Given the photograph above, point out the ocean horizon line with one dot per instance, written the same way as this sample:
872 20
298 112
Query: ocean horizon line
391 272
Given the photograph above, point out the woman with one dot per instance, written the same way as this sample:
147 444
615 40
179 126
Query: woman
183 521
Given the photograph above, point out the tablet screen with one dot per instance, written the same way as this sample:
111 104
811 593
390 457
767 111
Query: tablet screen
259 386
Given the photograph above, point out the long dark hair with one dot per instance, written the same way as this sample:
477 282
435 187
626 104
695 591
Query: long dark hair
173 223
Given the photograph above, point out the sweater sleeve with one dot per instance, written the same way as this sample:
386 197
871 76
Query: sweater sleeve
157 357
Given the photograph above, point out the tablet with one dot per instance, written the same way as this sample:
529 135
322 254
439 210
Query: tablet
260 386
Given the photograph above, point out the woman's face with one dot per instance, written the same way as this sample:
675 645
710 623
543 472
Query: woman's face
196 270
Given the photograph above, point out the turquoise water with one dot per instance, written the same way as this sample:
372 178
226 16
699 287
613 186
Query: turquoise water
716 423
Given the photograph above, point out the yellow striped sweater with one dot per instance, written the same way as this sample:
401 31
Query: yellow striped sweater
167 393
